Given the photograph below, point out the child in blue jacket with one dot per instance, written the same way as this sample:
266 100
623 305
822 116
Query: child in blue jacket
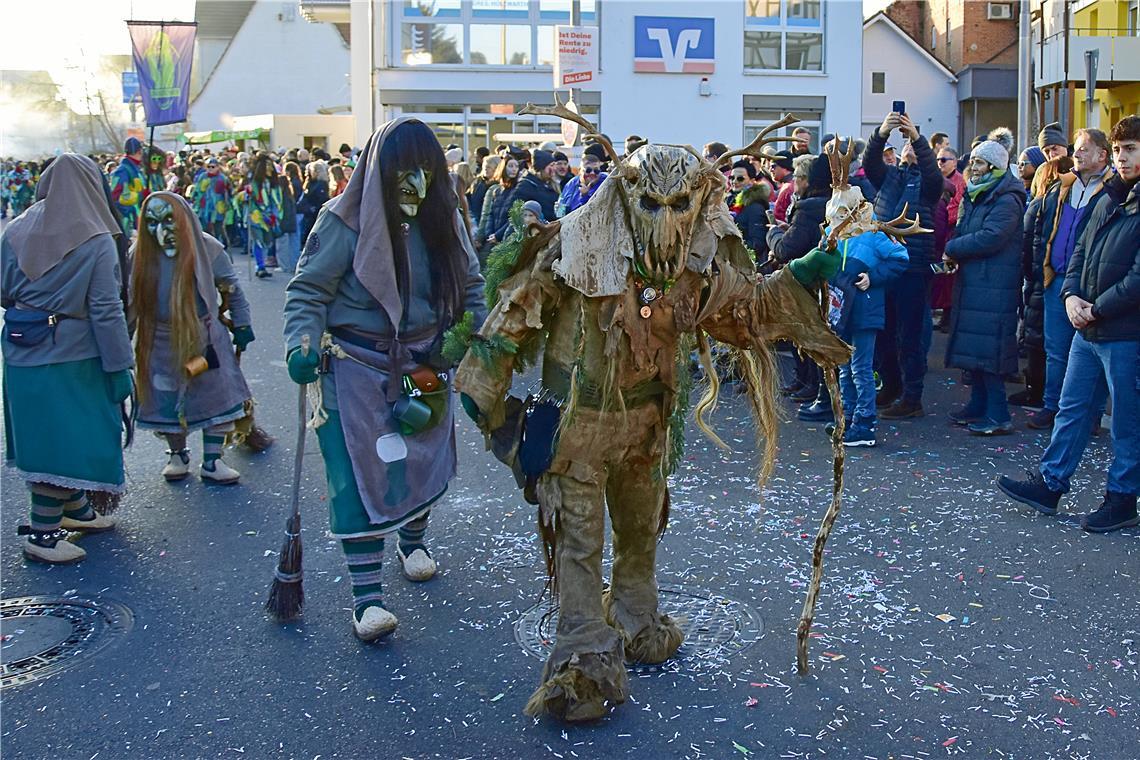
870 262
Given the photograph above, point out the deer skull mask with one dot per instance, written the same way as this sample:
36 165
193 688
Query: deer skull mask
666 188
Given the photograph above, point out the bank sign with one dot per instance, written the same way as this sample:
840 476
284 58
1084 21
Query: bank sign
674 45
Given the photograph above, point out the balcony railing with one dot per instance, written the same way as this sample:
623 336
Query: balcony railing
1119 60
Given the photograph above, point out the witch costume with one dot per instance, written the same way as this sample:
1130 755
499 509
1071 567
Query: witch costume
386 270
189 378
67 355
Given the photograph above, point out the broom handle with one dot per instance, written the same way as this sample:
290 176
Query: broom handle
299 453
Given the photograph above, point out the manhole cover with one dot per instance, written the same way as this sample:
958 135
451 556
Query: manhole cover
714 625
40 636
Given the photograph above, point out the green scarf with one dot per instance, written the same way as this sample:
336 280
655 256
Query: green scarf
988 181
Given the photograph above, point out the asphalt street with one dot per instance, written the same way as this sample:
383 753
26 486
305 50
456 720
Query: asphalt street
951 623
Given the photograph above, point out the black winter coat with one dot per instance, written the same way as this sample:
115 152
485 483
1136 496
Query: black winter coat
1105 267
752 220
500 225
1033 289
987 247
921 184
531 188
803 229
475 198
309 205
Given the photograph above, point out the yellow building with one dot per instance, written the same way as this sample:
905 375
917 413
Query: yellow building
1064 30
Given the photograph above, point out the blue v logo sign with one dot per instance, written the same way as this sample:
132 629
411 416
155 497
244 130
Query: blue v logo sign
674 45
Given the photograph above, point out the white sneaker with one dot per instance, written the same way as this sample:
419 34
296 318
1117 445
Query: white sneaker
96 524
62 553
222 473
417 567
375 623
178 467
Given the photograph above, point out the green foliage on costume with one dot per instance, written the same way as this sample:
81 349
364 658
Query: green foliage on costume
488 350
458 338
504 257
681 404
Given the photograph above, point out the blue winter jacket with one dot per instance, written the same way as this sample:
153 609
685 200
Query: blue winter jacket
883 260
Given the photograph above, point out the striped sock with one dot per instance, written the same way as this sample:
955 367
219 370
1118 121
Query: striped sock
211 449
365 557
77 508
47 512
412 535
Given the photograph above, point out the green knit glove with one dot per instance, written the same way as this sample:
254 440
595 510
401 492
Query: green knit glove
120 384
470 407
302 367
817 264
243 336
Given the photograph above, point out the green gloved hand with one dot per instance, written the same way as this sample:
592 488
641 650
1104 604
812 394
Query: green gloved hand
470 407
817 264
243 336
120 384
302 366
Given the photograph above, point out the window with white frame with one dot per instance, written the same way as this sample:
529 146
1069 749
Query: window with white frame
878 82
783 35
756 119
478 33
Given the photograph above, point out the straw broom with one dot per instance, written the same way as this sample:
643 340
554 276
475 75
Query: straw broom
287 595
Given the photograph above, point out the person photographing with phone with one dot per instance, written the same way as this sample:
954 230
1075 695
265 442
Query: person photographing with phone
916 184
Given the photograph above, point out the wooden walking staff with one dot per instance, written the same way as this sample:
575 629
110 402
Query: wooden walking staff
287 595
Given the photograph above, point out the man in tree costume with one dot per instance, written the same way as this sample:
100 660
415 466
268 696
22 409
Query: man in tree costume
614 296
387 269
188 376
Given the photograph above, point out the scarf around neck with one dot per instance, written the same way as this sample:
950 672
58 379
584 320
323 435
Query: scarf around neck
988 181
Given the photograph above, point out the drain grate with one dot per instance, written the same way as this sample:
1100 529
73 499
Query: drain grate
41 636
715 626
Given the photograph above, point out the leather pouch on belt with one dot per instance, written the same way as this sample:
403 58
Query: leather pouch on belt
425 378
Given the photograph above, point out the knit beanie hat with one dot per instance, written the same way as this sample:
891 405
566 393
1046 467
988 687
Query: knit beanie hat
1004 136
783 159
993 153
596 151
133 145
535 208
542 159
454 156
1034 156
1051 134
819 178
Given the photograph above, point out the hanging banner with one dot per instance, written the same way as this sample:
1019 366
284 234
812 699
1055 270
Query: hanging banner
163 53
576 58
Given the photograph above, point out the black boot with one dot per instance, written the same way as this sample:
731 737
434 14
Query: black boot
1118 510
1032 492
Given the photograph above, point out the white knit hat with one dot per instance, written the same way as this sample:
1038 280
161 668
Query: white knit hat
992 152
454 156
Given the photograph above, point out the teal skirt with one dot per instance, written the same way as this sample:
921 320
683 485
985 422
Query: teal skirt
62 426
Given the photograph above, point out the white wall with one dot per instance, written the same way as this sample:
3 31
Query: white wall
667 107
929 91
274 66
289 130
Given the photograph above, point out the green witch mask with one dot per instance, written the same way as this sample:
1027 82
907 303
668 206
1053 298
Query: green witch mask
160 224
412 187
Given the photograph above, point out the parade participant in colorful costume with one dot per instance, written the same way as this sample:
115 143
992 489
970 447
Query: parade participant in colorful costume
212 196
263 199
21 188
129 185
188 377
155 170
386 270
67 355
613 297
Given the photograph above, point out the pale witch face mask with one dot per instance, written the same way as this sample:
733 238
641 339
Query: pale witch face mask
160 224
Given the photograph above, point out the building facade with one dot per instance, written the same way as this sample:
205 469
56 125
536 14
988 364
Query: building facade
685 72
1065 33
977 41
898 68
262 57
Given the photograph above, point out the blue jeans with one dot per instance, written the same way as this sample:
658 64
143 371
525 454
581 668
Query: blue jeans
289 251
857 378
987 396
1058 337
1095 371
902 349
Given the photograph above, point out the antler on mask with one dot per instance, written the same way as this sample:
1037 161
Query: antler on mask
840 162
756 147
562 112
900 226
